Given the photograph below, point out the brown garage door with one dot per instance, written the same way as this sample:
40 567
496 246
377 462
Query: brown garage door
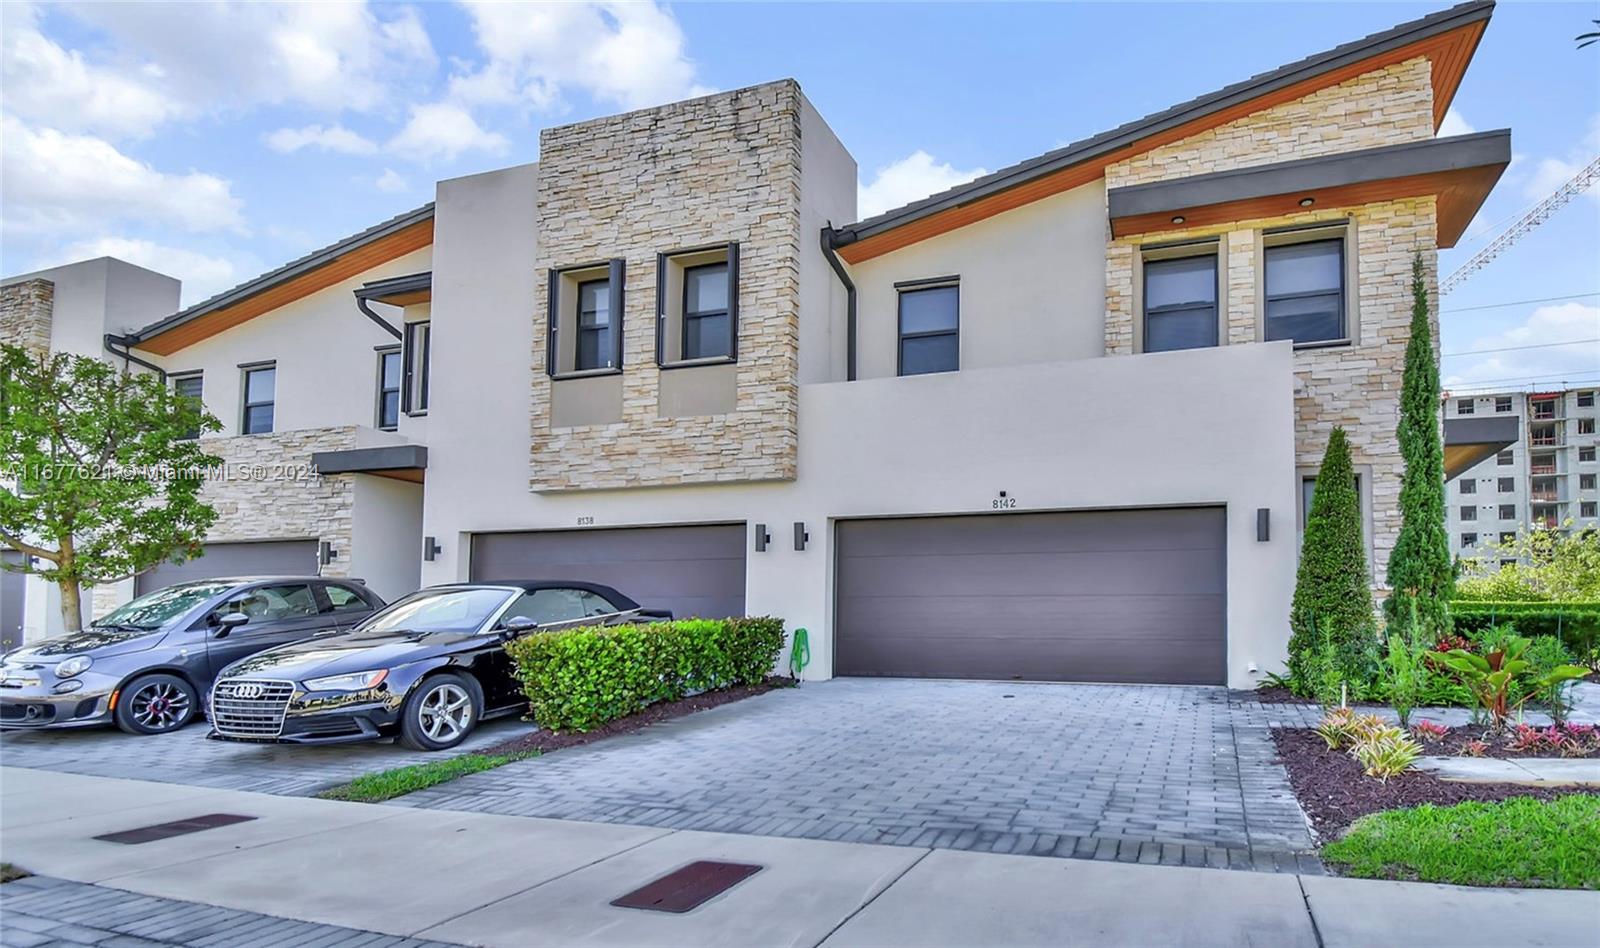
1127 595
266 558
693 571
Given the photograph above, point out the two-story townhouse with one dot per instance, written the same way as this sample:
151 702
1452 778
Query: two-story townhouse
1058 423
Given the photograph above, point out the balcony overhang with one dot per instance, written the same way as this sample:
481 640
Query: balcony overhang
1470 441
1459 171
402 462
405 290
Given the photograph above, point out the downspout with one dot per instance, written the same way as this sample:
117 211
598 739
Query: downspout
113 340
383 324
830 239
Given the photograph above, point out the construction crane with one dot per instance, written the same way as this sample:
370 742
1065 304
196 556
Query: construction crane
1540 213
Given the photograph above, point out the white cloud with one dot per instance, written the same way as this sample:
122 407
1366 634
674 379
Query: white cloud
334 138
441 131
391 181
629 54
1572 322
1551 173
53 181
203 276
1454 124
912 178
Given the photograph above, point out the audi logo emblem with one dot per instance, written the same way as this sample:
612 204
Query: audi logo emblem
249 689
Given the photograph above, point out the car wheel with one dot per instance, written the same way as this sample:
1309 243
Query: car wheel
440 712
156 704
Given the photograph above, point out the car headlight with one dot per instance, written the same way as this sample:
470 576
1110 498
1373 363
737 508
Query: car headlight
76 665
359 681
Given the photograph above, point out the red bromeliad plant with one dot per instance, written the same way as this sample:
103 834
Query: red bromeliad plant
1429 731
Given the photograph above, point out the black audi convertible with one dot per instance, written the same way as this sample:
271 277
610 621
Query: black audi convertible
427 668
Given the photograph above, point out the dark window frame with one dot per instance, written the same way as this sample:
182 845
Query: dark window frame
1466 406
592 327
193 375
1585 399
1586 451
1504 458
1468 540
1503 488
1211 251
724 313
414 395
1503 400
1586 426
663 261
1344 337
924 286
1469 512
1468 485
616 280
247 369
1507 512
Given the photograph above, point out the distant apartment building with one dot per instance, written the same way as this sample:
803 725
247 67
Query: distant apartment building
1545 479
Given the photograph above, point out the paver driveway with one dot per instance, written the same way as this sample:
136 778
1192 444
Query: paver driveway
1178 775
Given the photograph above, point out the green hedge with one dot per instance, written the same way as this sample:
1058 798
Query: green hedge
1577 624
583 678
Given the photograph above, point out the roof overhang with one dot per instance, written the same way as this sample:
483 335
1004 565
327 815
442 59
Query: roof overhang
1460 171
408 290
1471 441
405 462
319 270
1447 39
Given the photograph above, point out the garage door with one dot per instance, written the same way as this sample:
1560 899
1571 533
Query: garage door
693 571
1121 596
267 558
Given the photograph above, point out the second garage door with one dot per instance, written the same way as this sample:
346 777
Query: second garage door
266 558
693 571
1117 596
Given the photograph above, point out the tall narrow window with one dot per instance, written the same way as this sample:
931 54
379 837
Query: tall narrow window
594 325
389 382
189 386
1180 303
260 395
1305 291
417 344
706 324
930 329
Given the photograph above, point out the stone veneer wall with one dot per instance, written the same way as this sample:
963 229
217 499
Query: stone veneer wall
721 168
1357 386
26 313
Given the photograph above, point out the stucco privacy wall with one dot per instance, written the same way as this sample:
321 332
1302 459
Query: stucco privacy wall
25 314
1357 385
707 171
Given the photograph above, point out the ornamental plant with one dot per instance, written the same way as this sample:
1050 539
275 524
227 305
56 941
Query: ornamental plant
1421 572
1387 754
1333 634
1494 675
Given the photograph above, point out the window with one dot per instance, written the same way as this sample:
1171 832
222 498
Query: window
1305 291
594 325
1586 455
1469 539
1585 399
1586 481
189 386
417 344
1505 458
697 305
1502 404
1508 537
586 312
389 379
260 385
271 603
1508 562
546 606
345 599
1468 485
1508 485
1585 426
1469 513
1586 508
1508 511
1464 406
1180 303
1308 488
930 335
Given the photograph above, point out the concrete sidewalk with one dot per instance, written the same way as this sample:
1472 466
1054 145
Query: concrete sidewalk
497 880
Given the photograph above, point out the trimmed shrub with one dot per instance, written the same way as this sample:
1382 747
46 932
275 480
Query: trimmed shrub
583 678
1576 624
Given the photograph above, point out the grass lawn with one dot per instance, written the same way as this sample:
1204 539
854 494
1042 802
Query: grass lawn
1519 842
388 784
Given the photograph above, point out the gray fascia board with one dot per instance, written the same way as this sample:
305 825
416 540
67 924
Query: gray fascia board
388 457
409 283
1081 151
286 272
1429 156
1500 431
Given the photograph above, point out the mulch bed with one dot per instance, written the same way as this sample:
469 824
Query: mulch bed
1335 793
1454 745
547 741
1278 694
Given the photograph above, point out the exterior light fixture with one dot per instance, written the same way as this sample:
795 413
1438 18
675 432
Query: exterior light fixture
430 548
762 538
1263 524
1307 202
1178 218
800 536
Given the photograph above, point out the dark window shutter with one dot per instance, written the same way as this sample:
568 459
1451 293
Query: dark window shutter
552 305
617 293
733 301
661 308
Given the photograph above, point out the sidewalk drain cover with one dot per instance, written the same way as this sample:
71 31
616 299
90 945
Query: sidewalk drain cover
149 834
689 887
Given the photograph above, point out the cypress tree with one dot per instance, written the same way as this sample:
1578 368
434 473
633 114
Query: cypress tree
1332 593
1420 569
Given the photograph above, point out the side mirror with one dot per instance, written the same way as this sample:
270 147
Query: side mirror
230 622
516 625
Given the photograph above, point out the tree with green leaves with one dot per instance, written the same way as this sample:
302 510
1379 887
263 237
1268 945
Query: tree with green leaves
100 475
1421 573
1333 633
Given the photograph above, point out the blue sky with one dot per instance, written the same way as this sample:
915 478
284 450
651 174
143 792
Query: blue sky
215 141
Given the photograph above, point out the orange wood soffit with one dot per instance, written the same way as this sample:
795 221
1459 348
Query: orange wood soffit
1460 194
407 299
1449 53
337 270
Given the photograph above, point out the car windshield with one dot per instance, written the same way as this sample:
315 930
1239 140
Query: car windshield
153 610
439 610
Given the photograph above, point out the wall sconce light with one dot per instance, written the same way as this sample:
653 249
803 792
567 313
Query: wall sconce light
1178 218
1263 524
430 548
325 553
800 536
1307 202
762 538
